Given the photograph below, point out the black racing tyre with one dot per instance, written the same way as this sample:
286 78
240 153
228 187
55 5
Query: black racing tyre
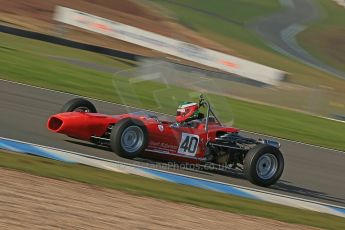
263 165
78 105
128 138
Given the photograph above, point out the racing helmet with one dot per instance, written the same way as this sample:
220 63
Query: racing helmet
187 111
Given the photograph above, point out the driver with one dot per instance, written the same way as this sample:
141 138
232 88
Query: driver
188 114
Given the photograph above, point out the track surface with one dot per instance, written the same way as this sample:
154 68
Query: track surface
280 29
311 172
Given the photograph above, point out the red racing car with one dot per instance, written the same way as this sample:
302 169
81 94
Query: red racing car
193 138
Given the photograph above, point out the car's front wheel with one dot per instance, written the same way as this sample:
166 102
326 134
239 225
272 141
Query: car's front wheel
128 138
263 165
78 105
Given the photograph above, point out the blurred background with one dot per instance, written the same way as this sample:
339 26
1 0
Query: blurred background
308 48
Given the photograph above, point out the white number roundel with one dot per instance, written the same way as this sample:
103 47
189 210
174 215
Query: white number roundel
188 144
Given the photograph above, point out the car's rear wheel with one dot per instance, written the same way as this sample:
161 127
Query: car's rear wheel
128 138
78 105
263 165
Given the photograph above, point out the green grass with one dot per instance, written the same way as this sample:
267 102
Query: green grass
326 39
238 12
242 41
168 191
34 68
46 50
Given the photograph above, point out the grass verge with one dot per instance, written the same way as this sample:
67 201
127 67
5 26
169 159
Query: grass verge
20 64
326 39
225 18
165 190
48 51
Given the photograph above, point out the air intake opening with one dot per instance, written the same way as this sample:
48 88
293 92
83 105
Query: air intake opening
54 123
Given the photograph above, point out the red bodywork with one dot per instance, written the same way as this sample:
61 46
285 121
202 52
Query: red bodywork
166 141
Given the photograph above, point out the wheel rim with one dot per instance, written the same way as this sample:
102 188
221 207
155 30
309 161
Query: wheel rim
132 139
82 109
267 166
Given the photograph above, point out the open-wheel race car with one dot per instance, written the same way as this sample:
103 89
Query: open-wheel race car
193 138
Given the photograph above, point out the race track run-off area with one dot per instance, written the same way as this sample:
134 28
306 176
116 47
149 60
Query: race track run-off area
159 174
311 172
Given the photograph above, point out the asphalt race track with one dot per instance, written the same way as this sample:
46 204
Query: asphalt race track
311 172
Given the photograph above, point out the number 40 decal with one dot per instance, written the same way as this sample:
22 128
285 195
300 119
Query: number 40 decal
189 144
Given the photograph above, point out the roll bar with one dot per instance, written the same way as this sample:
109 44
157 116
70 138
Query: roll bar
204 103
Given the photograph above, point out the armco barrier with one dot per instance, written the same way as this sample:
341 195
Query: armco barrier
170 46
73 157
